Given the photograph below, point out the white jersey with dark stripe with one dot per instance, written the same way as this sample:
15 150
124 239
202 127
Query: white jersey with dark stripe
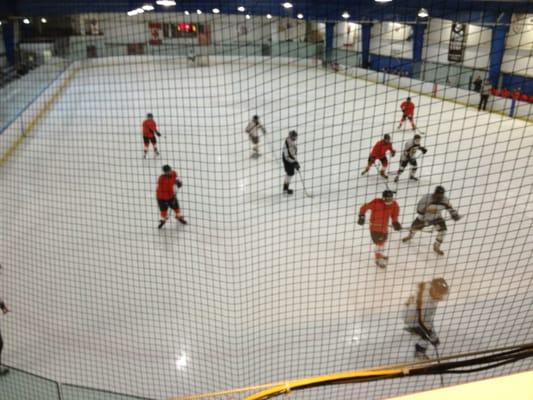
425 311
290 150
409 149
430 210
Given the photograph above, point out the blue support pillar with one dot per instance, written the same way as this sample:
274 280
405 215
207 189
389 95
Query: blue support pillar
418 46
365 37
8 32
330 34
497 47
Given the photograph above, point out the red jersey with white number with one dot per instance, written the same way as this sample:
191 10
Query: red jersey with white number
165 186
149 128
380 149
380 214
408 108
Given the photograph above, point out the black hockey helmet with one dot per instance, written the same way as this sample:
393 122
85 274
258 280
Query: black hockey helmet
149 115
387 194
167 168
255 117
293 134
439 288
408 99
386 137
417 137
440 190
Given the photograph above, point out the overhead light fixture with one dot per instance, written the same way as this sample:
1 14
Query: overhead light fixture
44 20
287 5
198 11
269 16
241 9
26 21
186 12
382 1
300 16
148 7
216 11
248 16
139 10
423 13
166 3
345 15
0 23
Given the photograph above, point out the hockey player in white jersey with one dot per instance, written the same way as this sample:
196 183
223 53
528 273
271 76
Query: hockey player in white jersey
290 163
410 148
429 211
420 313
253 129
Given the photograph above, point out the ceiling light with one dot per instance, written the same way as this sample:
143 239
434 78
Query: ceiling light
43 20
139 10
216 10
186 12
423 13
26 21
382 1
241 9
300 16
0 23
166 3
269 16
287 5
248 16
148 7
345 15
198 12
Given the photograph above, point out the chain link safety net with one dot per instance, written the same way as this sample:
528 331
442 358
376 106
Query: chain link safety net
158 242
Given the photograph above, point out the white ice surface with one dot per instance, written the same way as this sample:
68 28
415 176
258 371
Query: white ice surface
258 287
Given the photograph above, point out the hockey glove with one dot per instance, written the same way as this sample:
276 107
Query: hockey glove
179 184
397 226
158 134
393 153
424 150
455 215
297 166
361 220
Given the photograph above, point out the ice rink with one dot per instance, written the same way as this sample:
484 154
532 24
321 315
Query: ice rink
259 287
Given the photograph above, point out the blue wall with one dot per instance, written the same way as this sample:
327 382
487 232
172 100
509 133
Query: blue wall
378 63
521 82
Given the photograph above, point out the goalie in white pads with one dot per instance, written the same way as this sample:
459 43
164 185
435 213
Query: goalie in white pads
429 214
410 149
253 129
420 313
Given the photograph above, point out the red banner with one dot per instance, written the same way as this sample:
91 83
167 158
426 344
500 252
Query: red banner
156 33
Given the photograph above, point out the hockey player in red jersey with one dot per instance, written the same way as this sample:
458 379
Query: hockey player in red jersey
408 110
381 210
379 152
166 196
149 132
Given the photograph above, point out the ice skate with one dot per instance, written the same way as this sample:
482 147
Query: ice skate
383 174
421 355
182 220
397 179
3 370
407 238
156 154
286 189
161 223
436 249
365 171
413 178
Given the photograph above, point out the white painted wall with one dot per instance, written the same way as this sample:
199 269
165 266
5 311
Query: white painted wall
391 39
348 36
520 34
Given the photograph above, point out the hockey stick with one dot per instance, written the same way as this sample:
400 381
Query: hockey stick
386 181
438 362
307 194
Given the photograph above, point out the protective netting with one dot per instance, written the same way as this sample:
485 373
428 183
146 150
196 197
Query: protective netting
260 286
